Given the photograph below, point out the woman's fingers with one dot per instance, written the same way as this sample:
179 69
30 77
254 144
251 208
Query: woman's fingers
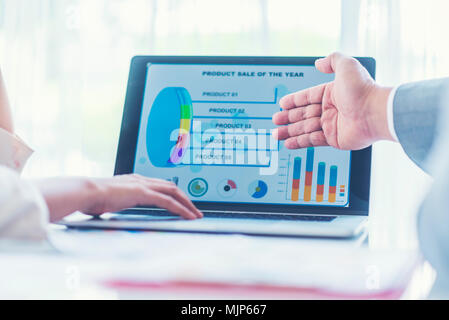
161 200
170 189
128 191
313 139
173 191
297 114
153 180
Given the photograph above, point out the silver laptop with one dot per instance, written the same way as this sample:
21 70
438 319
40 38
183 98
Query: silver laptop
205 124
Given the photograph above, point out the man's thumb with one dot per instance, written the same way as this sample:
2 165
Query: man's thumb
330 63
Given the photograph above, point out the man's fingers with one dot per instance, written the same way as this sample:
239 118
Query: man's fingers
305 126
330 63
299 128
176 193
313 139
297 114
169 203
334 62
303 98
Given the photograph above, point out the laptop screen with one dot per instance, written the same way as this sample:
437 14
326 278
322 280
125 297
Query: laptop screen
207 128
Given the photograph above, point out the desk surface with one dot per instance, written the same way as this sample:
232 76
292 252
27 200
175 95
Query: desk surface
119 264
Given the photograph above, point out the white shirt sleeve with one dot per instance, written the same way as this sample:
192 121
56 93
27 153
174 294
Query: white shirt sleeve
390 114
23 211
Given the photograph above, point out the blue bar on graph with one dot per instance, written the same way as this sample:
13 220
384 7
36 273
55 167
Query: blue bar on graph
321 173
297 168
309 163
333 176
296 178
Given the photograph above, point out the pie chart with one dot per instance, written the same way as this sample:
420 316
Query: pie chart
226 188
257 189
198 187
168 127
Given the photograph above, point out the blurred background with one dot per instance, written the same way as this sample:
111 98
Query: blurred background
66 64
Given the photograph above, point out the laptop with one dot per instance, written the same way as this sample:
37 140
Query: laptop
205 124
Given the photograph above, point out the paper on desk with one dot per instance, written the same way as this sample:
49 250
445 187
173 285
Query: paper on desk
156 257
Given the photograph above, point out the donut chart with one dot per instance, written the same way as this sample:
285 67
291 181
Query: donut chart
164 151
227 188
198 187
258 189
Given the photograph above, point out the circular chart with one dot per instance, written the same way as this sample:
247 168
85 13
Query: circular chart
226 188
198 187
168 127
257 189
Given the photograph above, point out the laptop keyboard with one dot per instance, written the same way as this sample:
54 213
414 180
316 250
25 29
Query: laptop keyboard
290 217
235 215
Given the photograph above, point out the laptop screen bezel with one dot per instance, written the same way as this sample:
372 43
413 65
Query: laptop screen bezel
360 160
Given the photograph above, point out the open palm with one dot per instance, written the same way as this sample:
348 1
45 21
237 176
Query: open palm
332 114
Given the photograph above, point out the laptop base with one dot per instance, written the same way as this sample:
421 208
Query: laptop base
340 227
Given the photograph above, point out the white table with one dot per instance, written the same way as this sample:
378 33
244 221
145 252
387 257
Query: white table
80 263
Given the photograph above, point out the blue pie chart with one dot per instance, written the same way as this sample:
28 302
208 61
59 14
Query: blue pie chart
257 189
170 117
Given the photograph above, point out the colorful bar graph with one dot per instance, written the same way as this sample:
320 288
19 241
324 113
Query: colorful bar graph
333 183
309 174
296 178
326 174
320 182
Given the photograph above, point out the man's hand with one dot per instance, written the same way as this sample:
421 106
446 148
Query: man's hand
349 113
97 196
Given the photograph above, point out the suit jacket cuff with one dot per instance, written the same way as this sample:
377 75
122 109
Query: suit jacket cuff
416 107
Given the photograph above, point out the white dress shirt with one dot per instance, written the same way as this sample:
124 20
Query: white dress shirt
390 114
23 211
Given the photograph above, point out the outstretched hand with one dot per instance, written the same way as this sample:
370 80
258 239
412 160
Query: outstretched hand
348 113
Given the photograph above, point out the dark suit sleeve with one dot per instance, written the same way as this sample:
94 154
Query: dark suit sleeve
416 108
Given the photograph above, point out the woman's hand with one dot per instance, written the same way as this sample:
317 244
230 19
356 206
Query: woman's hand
97 196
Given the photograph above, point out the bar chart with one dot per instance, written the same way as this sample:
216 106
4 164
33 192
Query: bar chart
320 182
333 183
317 177
296 178
309 174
